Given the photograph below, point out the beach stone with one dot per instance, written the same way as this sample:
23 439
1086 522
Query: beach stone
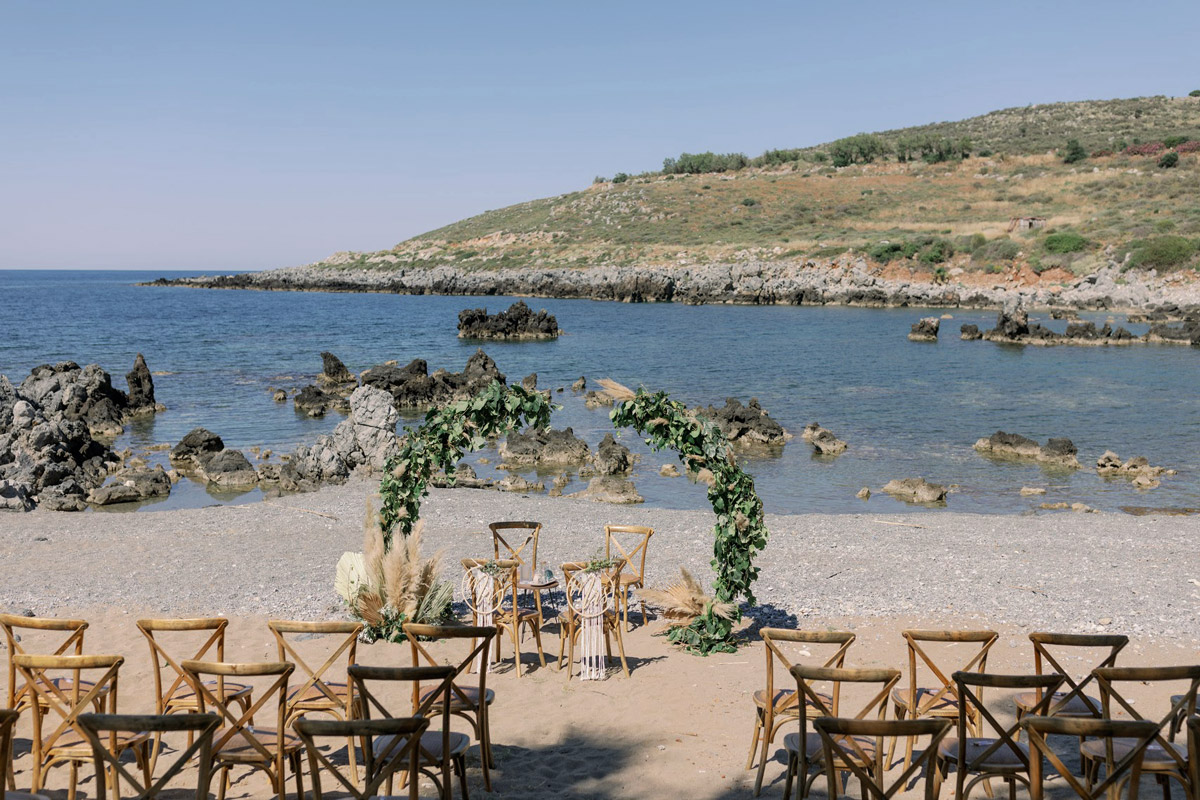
140 399
916 490
229 468
669 471
518 322
68 495
13 497
1027 491
194 449
279 396
863 493
610 489
548 447
132 485
594 399
747 425
1060 452
579 385
970 332
515 483
925 330
823 440
611 457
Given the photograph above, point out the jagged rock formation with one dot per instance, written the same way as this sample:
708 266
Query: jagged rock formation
746 426
544 448
412 386
1013 327
140 398
194 449
334 376
518 322
1138 469
970 332
314 401
132 485
610 489
916 490
925 330
1059 452
612 458
823 440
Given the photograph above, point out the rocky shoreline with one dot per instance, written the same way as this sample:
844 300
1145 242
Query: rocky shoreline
848 281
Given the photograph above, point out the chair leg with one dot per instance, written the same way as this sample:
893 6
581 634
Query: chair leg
762 762
74 778
621 648
537 637
297 770
787 779
462 778
754 738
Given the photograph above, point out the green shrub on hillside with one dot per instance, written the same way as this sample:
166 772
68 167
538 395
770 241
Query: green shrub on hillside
885 252
620 177
937 251
699 163
749 201
1065 242
1160 252
862 148
1002 249
1168 160
1194 93
1074 152
1174 141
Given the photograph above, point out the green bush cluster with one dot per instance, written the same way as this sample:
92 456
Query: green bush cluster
1168 160
1002 249
932 149
1161 252
699 163
862 148
1074 152
1064 242
927 249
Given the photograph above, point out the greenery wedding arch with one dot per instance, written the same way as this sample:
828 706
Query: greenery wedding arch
740 531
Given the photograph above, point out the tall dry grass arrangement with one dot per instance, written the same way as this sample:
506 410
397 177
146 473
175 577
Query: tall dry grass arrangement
387 589
616 391
682 602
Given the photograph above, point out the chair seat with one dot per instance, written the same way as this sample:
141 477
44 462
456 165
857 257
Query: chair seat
184 697
456 700
816 751
1003 759
537 587
1075 707
946 705
239 749
760 699
627 578
71 745
1156 758
65 685
10 795
431 741
313 697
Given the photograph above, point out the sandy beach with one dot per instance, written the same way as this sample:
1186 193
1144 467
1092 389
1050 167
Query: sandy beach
679 723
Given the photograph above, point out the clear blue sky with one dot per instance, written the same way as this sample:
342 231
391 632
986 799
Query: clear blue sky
248 135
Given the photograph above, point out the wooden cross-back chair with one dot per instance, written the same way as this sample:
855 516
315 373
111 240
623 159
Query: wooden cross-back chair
574 616
629 542
1073 700
18 631
804 749
402 753
58 737
239 742
470 702
167 638
506 615
938 699
990 756
436 750
837 732
1123 764
8 722
518 541
102 731
775 707
1164 759
318 693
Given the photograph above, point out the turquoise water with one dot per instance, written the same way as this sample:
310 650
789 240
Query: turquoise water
905 408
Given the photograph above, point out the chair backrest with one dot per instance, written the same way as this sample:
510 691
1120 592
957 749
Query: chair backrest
8 721
839 736
178 632
575 584
1183 704
403 736
814 704
1044 647
776 643
423 708
91 677
516 541
199 727
1127 769
65 635
942 686
480 637
969 687
1193 746
629 542
242 724
488 583
316 678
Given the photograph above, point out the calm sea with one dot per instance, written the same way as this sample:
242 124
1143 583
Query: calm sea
906 409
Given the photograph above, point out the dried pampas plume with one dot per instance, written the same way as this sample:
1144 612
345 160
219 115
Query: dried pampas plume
616 391
683 602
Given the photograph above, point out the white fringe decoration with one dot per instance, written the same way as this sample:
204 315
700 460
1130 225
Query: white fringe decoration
591 632
484 592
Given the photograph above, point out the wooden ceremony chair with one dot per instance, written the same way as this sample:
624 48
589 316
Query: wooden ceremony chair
102 731
436 751
837 733
505 615
1123 765
1074 703
167 639
773 708
239 742
58 737
937 699
574 615
1163 758
17 636
8 722
523 548
630 543
318 694
469 702
404 736
985 757
805 750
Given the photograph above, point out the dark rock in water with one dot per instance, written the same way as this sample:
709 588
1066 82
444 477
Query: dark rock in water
413 387
335 377
548 447
1188 332
612 458
747 425
279 396
67 391
970 332
464 478
1012 324
594 399
132 485
515 483
195 449
925 330
529 382
610 489
1061 452
229 468
314 401
579 385
916 490
823 440
141 388
518 322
